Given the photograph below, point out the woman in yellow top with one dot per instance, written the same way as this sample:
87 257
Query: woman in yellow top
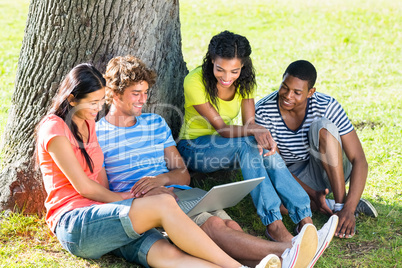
209 141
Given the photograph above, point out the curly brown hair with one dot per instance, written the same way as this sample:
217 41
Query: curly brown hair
122 72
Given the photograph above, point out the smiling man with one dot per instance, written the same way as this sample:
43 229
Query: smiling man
318 143
138 147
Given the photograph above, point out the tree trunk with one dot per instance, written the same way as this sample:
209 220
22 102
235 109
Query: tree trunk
61 34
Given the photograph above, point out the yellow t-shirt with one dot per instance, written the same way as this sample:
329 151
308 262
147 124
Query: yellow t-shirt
194 124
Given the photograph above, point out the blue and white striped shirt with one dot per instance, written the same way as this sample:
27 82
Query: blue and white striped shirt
293 145
134 152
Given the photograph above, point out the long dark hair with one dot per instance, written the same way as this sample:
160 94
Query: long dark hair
79 82
228 45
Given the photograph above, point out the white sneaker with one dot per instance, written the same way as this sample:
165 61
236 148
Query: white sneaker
304 246
270 261
325 235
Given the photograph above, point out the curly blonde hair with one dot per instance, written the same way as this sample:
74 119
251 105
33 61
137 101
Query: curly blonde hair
122 72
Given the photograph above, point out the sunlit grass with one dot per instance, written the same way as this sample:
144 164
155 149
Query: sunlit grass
13 15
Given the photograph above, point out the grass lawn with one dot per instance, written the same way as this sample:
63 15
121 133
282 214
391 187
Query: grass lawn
356 47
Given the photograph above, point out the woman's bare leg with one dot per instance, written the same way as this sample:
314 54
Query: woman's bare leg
162 210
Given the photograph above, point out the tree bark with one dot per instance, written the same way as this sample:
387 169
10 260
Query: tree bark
61 34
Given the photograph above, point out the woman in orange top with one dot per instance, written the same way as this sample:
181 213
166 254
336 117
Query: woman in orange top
87 218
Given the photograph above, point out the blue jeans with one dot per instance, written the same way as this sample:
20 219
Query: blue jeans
93 231
212 153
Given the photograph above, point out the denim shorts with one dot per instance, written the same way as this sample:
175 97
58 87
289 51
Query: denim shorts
311 171
93 231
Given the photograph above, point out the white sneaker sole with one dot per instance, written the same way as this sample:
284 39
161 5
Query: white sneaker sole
333 221
307 247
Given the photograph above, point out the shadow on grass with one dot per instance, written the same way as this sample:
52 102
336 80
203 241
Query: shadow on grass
111 261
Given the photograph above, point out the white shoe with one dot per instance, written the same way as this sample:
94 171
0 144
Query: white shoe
270 261
325 235
304 246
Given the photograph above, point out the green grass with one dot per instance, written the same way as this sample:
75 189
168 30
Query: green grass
356 48
13 15
26 241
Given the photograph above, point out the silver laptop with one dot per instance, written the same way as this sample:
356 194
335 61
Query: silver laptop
194 201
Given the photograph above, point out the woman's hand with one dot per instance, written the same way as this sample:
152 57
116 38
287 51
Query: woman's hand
263 138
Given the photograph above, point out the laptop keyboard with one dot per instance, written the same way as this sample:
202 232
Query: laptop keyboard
187 205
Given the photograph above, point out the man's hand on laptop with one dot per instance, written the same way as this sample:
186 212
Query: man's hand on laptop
146 184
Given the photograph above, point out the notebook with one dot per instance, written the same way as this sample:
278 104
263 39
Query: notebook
195 200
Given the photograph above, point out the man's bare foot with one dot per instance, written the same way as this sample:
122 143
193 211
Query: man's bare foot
302 223
278 232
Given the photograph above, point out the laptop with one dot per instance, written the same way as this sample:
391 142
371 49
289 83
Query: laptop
194 201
